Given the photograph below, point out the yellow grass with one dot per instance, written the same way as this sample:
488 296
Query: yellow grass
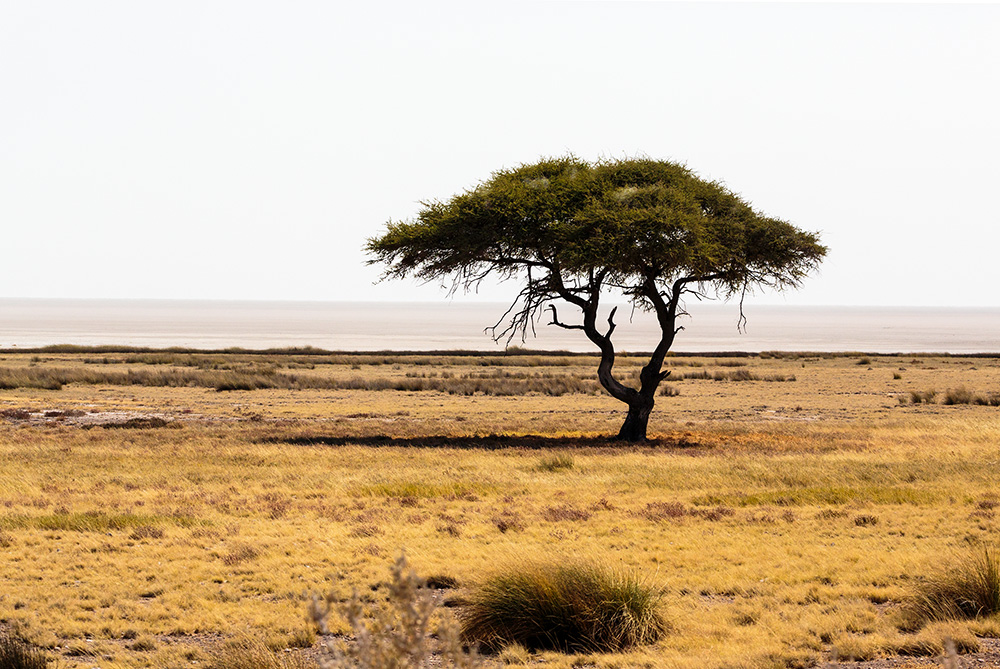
786 521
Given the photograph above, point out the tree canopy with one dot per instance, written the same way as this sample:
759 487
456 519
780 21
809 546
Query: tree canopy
572 230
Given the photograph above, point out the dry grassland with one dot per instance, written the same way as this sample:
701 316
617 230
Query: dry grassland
143 522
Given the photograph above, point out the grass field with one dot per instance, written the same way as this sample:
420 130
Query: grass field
155 504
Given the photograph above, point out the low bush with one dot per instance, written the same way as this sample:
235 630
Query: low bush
970 588
565 607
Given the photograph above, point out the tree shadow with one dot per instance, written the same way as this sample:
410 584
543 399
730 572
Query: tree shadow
489 442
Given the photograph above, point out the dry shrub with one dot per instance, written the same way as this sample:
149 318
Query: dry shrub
567 607
865 520
137 424
240 552
365 530
508 520
398 634
451 529
660 511
664 511
556 514
146 532
969 588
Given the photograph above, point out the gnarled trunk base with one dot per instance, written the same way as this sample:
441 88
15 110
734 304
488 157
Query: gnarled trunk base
637 420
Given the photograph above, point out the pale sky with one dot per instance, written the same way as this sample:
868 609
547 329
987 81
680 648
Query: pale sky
246 150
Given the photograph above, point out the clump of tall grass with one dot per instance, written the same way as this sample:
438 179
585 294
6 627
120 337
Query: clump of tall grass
16 653
247 652
566 607
556 462
922 396
397 635
968 588
963 395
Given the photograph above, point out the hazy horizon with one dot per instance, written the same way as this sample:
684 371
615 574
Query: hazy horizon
246 151
713 303
374 326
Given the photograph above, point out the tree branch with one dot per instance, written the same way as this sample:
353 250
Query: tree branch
611 323
555 321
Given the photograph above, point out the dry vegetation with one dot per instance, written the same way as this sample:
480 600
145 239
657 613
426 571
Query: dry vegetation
782 523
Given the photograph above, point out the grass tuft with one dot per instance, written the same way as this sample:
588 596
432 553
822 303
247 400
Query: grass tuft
247 652
566 607
970 588
16 653
556 462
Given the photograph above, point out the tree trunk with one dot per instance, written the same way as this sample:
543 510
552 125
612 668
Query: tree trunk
637 420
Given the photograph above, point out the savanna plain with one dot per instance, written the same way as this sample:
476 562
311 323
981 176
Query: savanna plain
169 508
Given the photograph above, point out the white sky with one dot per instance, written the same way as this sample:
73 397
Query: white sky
246 150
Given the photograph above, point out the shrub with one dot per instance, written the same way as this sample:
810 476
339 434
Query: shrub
508 520
397 635
16 653
968 589
567 607
555 514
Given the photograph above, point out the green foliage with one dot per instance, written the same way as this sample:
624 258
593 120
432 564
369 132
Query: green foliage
636 219
568 607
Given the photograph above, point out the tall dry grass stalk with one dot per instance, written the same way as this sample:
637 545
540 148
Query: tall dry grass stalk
405 633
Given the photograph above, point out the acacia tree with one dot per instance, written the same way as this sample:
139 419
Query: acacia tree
572 231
